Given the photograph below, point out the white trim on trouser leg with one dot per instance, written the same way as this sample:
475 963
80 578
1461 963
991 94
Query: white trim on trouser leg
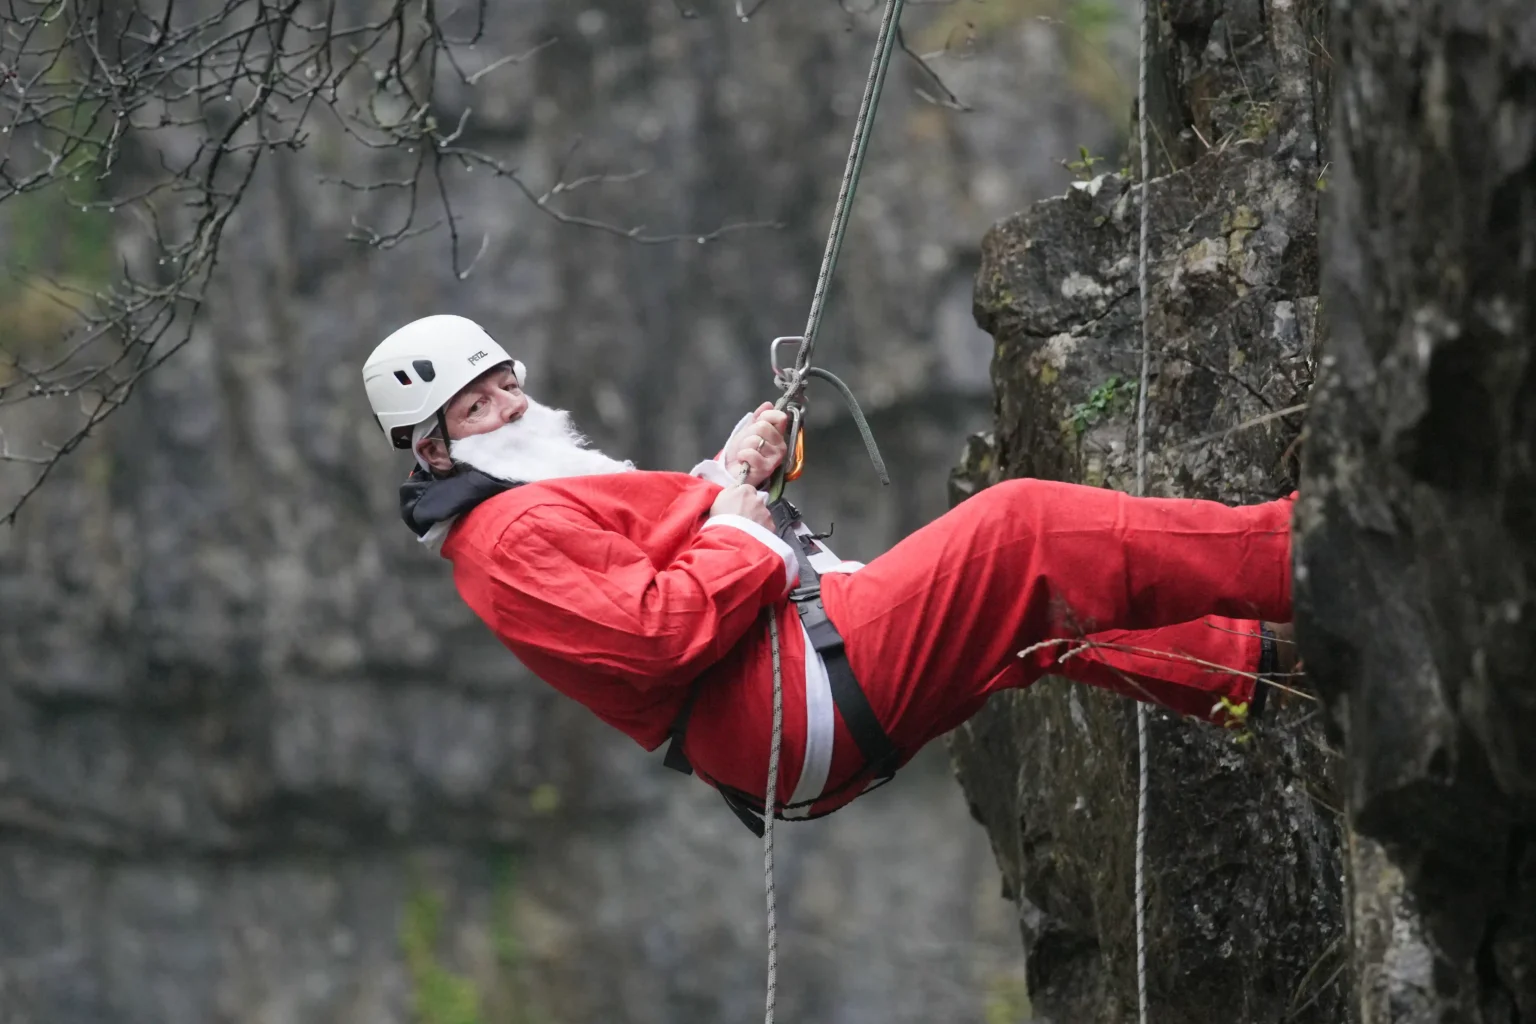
819 732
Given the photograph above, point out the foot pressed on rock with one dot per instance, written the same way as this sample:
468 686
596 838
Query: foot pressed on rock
1287 659
1281 666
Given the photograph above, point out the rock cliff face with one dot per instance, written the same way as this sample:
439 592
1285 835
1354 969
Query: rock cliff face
1416 539
257 762
1245 901
1413 546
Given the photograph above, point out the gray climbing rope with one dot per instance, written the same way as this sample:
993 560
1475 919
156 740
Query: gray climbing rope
865 434
793 382
1143 712
873 86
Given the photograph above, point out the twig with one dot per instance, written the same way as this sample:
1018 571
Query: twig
1085 644
948 99
1289 410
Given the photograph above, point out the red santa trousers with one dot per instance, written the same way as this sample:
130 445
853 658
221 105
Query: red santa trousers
1169 592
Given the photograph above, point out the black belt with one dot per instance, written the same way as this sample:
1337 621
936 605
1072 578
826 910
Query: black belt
880 755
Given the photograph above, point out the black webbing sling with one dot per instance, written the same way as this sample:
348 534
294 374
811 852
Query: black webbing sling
880 755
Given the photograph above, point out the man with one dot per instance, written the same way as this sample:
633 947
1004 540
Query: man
641 594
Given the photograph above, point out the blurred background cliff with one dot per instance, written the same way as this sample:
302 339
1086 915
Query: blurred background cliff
257 761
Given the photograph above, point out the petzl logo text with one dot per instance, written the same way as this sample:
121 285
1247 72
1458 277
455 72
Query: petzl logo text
477 357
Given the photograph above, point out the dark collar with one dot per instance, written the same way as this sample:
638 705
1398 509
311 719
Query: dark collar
426 500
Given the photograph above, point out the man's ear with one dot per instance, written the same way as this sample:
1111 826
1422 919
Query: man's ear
436 453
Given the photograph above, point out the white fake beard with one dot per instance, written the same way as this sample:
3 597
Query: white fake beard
541 444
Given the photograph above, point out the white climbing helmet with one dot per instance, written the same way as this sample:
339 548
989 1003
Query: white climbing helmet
418 369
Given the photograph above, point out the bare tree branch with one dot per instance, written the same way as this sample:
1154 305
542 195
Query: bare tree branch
946 97
130 134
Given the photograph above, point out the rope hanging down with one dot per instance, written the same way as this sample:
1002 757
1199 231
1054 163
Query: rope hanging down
1143 713
792 380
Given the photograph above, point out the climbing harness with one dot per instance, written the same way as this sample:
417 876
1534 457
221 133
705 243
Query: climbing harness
1143 712
791 378
880 754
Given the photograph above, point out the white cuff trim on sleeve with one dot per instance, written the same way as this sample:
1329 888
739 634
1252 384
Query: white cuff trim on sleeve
741 423
714 472
767 538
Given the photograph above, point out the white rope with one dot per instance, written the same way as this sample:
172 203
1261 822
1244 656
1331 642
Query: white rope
1142 715
1143 711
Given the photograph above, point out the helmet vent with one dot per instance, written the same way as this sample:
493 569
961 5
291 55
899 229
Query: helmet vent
425 370
401 377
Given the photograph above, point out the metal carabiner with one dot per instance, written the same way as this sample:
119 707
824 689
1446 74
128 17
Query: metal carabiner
781 372
791 379
787 377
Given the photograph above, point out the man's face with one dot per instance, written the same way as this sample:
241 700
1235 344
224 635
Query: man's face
492 400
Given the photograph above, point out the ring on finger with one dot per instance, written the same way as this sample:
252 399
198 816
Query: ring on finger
759 443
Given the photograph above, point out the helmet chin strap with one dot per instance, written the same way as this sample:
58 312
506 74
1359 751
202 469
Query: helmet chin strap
442 425
424 430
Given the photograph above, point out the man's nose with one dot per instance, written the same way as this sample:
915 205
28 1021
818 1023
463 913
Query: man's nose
511 407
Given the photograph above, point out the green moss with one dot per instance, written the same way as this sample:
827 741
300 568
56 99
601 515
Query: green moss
37 312
50 233
58 239
1093 19
439 996
1007 1001
55 228
508 951
1113 397
1085 27
59 251
1241 218
1258 120
545 799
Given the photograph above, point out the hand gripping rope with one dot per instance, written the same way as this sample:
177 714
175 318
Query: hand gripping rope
791 380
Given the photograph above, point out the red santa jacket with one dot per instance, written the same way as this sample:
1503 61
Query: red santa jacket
620 590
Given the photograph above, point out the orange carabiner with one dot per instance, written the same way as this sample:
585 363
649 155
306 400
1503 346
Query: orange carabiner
797 464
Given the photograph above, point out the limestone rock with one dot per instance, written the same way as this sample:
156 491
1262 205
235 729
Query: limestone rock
1246 897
